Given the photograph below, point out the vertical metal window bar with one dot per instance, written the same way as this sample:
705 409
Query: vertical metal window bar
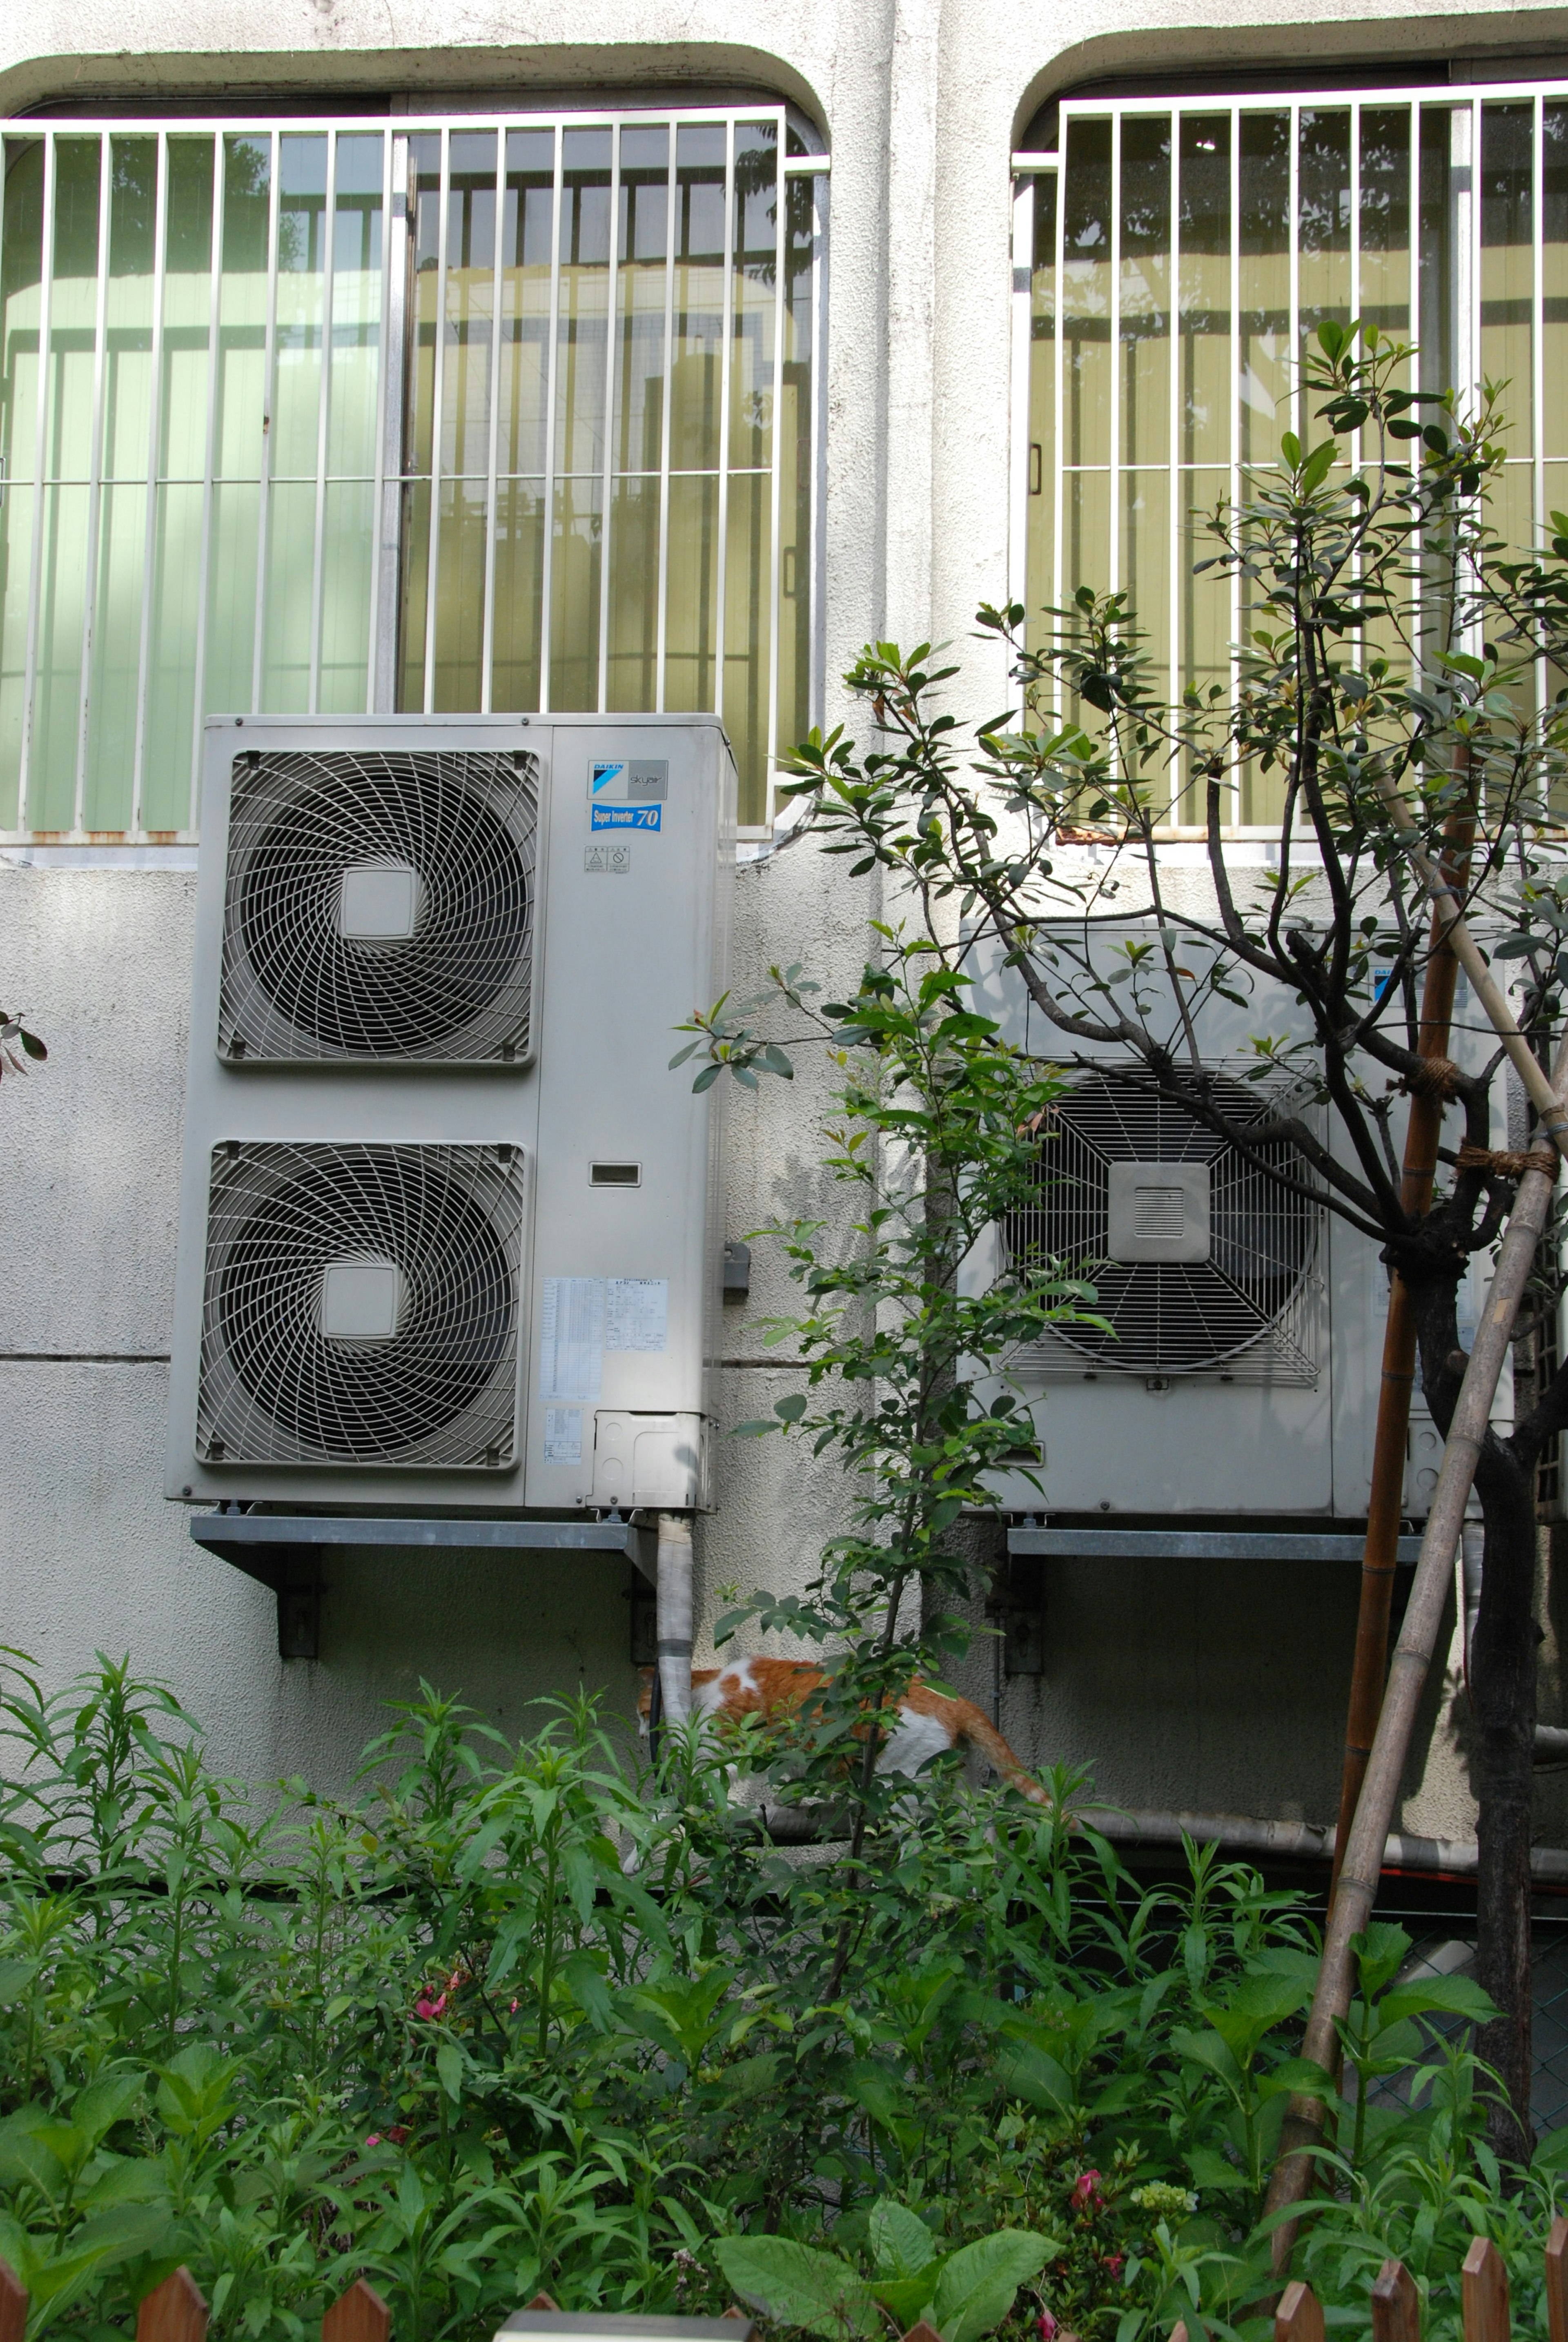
492 442
1233 484
209 467
1022 321
40 458
607 462
269 436
1538 360
437 418
662 582
553 350
155 441
322 401
387 497
775 484
727 247
95 481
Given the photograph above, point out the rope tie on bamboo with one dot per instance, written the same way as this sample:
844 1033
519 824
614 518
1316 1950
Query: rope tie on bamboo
1508 1162
1434 1077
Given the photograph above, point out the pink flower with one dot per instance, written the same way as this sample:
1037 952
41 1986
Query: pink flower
1086 2191
1113 2267
1045 2326
374 2139
429 2009
513 2009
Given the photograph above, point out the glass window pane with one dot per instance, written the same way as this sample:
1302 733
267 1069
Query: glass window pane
1087 382
117 658
633 676
1507 262
584 308
692 593
1204 327
519 594
1144 356
640 306
21 284
168 746
301 293
1554 280
748 616
128 307
529 236
470 307
795 461
756 294
73 312
695 373
356 245
460 595
574 596
1263 358
348 553
1040 588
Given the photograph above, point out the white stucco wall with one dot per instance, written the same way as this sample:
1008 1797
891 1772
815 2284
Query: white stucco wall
1186 1686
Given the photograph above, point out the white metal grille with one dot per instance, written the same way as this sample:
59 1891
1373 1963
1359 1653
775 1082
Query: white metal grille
362 1306
303 977
1174 258
305 416
1248 1309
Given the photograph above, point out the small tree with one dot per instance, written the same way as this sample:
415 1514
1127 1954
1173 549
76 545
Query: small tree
931 1129
1388 655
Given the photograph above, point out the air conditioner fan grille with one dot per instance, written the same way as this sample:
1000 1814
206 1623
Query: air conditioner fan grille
458 827
1174 1317
441 1226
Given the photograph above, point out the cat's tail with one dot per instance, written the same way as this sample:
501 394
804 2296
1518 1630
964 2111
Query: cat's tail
973 1725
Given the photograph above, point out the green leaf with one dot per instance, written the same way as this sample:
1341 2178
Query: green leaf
980 2282
1316 468
1033 2074
901 2243
16 1976
797 2287
449 2066
908 2297
1211 2171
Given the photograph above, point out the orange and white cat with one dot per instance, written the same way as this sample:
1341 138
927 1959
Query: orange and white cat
930 1723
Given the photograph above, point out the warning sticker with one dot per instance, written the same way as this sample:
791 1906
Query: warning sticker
636 1313
562 1435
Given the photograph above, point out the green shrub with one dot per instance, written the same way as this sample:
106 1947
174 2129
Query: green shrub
437 2032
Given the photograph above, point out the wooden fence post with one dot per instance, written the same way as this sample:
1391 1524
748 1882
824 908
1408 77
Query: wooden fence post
173 2311
13 2305
1557 2281
1396 2306
1299 2317
1484 2286
358 2316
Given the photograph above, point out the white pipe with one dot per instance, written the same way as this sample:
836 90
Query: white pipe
675 1616
1312 1841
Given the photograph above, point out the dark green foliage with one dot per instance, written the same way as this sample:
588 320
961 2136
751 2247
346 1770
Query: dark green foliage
438 2034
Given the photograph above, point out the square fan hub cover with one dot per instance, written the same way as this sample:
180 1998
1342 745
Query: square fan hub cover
379 902
1158 1211
361 1300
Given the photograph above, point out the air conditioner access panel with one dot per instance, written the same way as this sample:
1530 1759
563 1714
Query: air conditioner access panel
451 1229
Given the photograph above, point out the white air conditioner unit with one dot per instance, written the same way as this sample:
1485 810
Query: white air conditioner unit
451 1230
1241 1371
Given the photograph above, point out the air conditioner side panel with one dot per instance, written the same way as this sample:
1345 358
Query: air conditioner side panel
629 955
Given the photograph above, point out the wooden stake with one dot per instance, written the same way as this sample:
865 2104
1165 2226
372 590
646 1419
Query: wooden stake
1299 2317
1396 2306
358 2316
1423 1133
542 2301
1557 2281
14 2304
1178 2331
1484 2286
173 2311
920 2332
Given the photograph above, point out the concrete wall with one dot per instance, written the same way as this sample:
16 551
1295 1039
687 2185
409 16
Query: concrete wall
1185 1685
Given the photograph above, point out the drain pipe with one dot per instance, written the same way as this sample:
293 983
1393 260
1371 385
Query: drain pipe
675 1616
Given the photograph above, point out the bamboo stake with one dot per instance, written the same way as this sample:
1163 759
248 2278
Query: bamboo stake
1395 2305
173 2311
1299 2317
1423 1133
1368 1836
1483 2284
360 2315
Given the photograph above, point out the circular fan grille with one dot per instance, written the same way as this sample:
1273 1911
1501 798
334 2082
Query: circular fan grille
1172 1318
288 1375
304 978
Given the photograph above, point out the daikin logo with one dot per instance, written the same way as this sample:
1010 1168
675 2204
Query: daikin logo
604 775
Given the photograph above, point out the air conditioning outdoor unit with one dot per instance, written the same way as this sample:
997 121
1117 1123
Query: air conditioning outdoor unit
451 1231
1238 1370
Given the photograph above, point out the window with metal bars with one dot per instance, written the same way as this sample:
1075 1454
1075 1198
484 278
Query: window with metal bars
1174 258
314 417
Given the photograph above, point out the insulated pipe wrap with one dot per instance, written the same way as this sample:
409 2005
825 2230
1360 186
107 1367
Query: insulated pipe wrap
675 1616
